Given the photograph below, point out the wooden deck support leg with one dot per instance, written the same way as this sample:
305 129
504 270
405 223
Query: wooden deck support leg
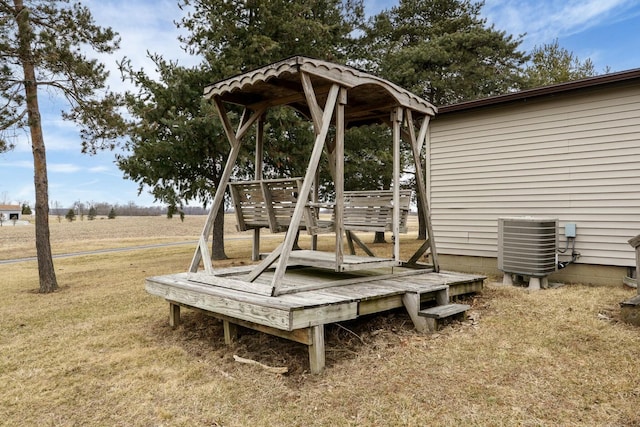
230 332
352 249
411 301
442 297
316 349
255 247
174 315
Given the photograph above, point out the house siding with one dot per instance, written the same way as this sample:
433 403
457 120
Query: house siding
575 157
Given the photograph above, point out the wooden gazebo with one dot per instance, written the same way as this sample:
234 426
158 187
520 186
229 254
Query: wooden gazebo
273 297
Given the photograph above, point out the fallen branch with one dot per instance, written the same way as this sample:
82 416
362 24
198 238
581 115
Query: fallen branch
272 369
351 332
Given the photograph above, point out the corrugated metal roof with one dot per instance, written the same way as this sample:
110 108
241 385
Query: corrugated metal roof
369 98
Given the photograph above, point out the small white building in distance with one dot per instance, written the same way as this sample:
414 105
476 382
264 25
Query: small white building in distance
10 212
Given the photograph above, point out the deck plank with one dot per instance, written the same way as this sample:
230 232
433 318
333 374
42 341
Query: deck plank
230 283
328 260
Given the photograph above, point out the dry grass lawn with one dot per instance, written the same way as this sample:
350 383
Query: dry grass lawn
100 352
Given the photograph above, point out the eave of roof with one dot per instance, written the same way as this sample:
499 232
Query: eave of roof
591 82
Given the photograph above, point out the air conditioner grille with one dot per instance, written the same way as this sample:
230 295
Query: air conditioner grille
527 245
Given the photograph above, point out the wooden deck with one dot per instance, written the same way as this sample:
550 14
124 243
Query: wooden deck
312 297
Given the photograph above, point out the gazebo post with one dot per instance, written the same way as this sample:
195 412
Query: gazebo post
339 176
255 249
396 120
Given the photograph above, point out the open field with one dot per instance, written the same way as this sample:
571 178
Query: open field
101 233
100 352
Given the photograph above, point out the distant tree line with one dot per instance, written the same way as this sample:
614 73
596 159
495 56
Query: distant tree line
80 210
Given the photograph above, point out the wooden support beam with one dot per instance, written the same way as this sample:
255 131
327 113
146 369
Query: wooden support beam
174 315
312 102
266 263
396 120
302 336
351 237
230 332
303 196
218 199
638 270
257 175
316 350
421 250
411 301
442 296
635 243
315 199
416 146
339 177
352 249
204 252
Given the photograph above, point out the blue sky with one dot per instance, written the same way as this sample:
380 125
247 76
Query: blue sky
607 31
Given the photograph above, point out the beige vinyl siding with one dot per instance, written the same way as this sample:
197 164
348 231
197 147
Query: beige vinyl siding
575 157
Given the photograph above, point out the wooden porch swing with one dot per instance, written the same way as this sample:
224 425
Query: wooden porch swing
270 204
328 94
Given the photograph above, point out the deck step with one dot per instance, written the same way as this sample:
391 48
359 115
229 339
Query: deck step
443 311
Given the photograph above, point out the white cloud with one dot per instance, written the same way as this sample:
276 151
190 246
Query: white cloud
144 27
63 168
544 21
22 164
25 192
100 169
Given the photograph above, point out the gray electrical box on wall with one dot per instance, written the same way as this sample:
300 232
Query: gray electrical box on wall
570 230
527 245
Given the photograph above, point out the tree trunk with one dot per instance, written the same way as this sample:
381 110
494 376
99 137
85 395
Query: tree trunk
217 242
379 237
296 246
46 272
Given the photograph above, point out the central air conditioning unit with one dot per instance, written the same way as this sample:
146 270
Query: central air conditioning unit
527 246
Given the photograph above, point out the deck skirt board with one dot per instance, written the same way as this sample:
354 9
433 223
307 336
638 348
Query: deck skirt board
278 318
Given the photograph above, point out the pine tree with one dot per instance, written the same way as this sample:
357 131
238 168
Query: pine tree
112 214
442 50
40 48
70 216
177 148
